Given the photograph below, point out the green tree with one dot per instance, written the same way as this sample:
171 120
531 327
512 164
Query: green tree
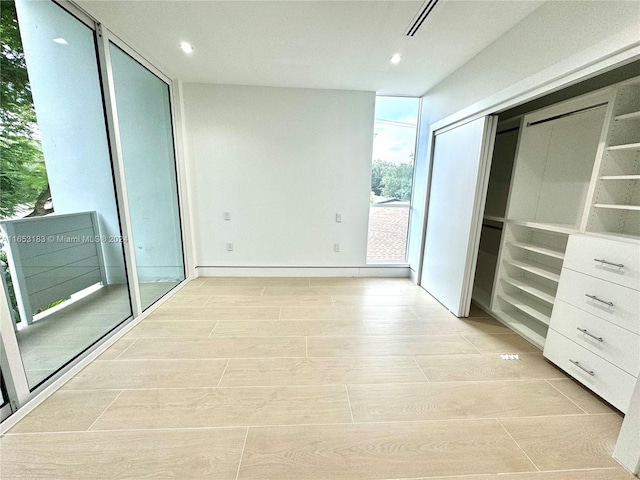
379 169
397 181
23 177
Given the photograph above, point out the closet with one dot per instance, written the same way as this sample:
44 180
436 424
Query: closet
559 254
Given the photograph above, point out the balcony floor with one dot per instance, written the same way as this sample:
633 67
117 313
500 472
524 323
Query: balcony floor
55 339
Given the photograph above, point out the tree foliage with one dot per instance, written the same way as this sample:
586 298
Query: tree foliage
23 177
392 180
378 170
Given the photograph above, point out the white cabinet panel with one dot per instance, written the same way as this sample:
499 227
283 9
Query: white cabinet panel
617 262
614 344
605 379
456 201
615 303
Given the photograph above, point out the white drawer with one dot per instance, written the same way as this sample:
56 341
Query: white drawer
611 383
584 252
618 346
625 311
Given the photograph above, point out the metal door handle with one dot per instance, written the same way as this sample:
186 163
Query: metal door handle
577 364
593 297
619 265
589 334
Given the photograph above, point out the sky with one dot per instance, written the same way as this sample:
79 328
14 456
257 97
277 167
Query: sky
395 143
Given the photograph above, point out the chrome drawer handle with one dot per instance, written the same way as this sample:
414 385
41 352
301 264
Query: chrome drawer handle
593 297
619 265
577 364
589 334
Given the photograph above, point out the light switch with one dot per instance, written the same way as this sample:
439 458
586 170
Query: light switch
229 246
338 217
336 247
227 215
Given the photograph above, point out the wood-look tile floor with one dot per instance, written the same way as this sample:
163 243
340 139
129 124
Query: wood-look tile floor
315 378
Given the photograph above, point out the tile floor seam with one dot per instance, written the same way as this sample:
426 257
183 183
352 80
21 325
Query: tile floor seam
519 446
125 350
420 368
346 389
210 333
469 342
268 425
206 301
105 410
223 372
246 435
130 430
506 475
567 396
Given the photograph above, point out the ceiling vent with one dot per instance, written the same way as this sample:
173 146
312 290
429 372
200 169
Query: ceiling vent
420 17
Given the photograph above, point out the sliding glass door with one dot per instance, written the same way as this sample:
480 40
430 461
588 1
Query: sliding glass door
90 231
62 256
146 137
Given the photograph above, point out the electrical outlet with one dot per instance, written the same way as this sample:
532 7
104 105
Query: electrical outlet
229 246
339 217
227 215
336 247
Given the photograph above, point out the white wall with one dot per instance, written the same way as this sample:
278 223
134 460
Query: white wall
283 162
558 36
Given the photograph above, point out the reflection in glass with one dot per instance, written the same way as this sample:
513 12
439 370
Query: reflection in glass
62 256
144 120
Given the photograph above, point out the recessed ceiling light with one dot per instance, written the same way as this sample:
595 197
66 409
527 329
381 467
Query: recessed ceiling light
60 40
395 58
186 47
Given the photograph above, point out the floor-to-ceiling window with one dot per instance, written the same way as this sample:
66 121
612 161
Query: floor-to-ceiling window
396 123
89 212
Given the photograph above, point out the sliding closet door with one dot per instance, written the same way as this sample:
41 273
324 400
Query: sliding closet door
459 175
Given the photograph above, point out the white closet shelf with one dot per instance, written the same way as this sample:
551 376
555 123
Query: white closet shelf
493 218
535 310
533 247
627 146
628 116
617 206
516 322
536 268
564 228
620 177
532 287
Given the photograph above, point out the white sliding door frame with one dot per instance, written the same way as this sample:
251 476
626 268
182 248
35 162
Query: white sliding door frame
177 134
117 161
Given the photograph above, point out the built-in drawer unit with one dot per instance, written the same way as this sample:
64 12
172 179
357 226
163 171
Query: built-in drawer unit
594 331
610 382
617 262
617 304
614 344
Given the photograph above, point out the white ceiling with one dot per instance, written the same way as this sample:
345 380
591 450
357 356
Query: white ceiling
309 44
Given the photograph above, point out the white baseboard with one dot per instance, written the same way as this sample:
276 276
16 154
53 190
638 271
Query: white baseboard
398 271
413 275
